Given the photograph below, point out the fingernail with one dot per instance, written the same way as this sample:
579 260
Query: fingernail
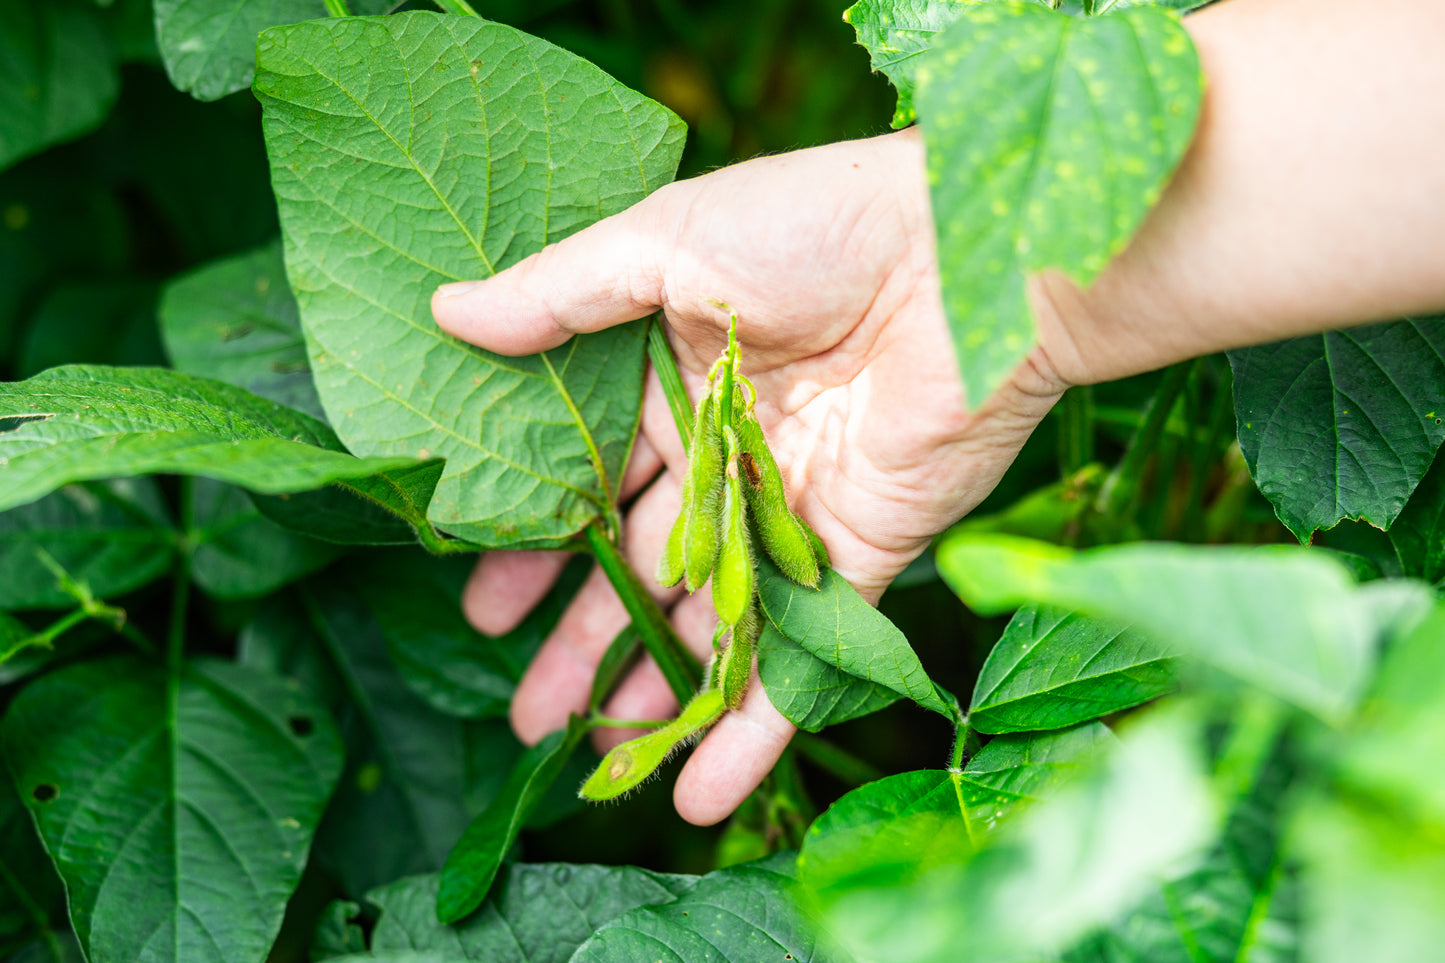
457 288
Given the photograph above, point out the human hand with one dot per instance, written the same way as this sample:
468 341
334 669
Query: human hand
828 257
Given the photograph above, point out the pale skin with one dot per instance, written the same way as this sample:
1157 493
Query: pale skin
1313 197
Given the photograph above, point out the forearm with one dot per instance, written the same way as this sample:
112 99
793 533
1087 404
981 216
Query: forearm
1313 196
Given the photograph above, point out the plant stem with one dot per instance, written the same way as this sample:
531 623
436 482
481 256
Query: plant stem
832 759
1076 429
180 603
607 722
438 544
665 364
337 8
1121 489
682 671
458 7
966 745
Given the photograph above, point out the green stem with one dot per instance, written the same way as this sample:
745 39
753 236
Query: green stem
682 671
607 722
56 629
337 8
966 745
1219 419
832 759
1121 489
180 604
665 365
1076 429
459 7
729 373
438 544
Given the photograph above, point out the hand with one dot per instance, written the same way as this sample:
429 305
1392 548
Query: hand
828 257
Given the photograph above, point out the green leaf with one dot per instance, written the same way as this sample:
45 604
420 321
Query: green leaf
236 321
1026 767
451 665
1049 138
1066 865
238 553
810 693
1286 619
835 624
1053 668
1342 424
95 322
58 76
114 536
339 931
742 914
1373 885
83 422
896 33
1401 726
209 46
474 861
538 913
381 200
412 779
31 896
896 829
1418 534
179 810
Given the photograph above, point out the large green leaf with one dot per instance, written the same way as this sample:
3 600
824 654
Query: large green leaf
742 914
384 509
114 536
539 913
58 76
1286 619
83 422
1342 424
1049 138
411 783
473 863
810 693
835 624
209 46
238 553
416 149
1025 767
235 320
179 809
1053 668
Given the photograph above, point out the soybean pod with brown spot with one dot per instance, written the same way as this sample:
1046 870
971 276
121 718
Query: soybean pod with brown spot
627 765
785 537
733 579
702 508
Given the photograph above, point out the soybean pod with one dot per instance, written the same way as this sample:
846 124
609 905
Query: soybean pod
733 579
628 764
704 483
785 537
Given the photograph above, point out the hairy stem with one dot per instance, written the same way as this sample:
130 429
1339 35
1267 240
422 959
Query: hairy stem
682 671
966 745
665 364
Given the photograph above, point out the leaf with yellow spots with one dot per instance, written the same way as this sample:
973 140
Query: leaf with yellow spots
1049 138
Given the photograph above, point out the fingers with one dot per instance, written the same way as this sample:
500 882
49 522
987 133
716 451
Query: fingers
732 760
559 680
604 275
505 586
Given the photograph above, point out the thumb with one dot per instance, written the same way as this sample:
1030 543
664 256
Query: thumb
601 276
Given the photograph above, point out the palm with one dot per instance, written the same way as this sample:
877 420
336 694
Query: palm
827 255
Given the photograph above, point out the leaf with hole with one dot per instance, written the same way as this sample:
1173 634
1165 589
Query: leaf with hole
383 197
179 809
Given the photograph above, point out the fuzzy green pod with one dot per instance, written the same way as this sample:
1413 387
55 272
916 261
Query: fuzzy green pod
784 535
673 563
627 765
735 663
820 551
733 579
704 485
